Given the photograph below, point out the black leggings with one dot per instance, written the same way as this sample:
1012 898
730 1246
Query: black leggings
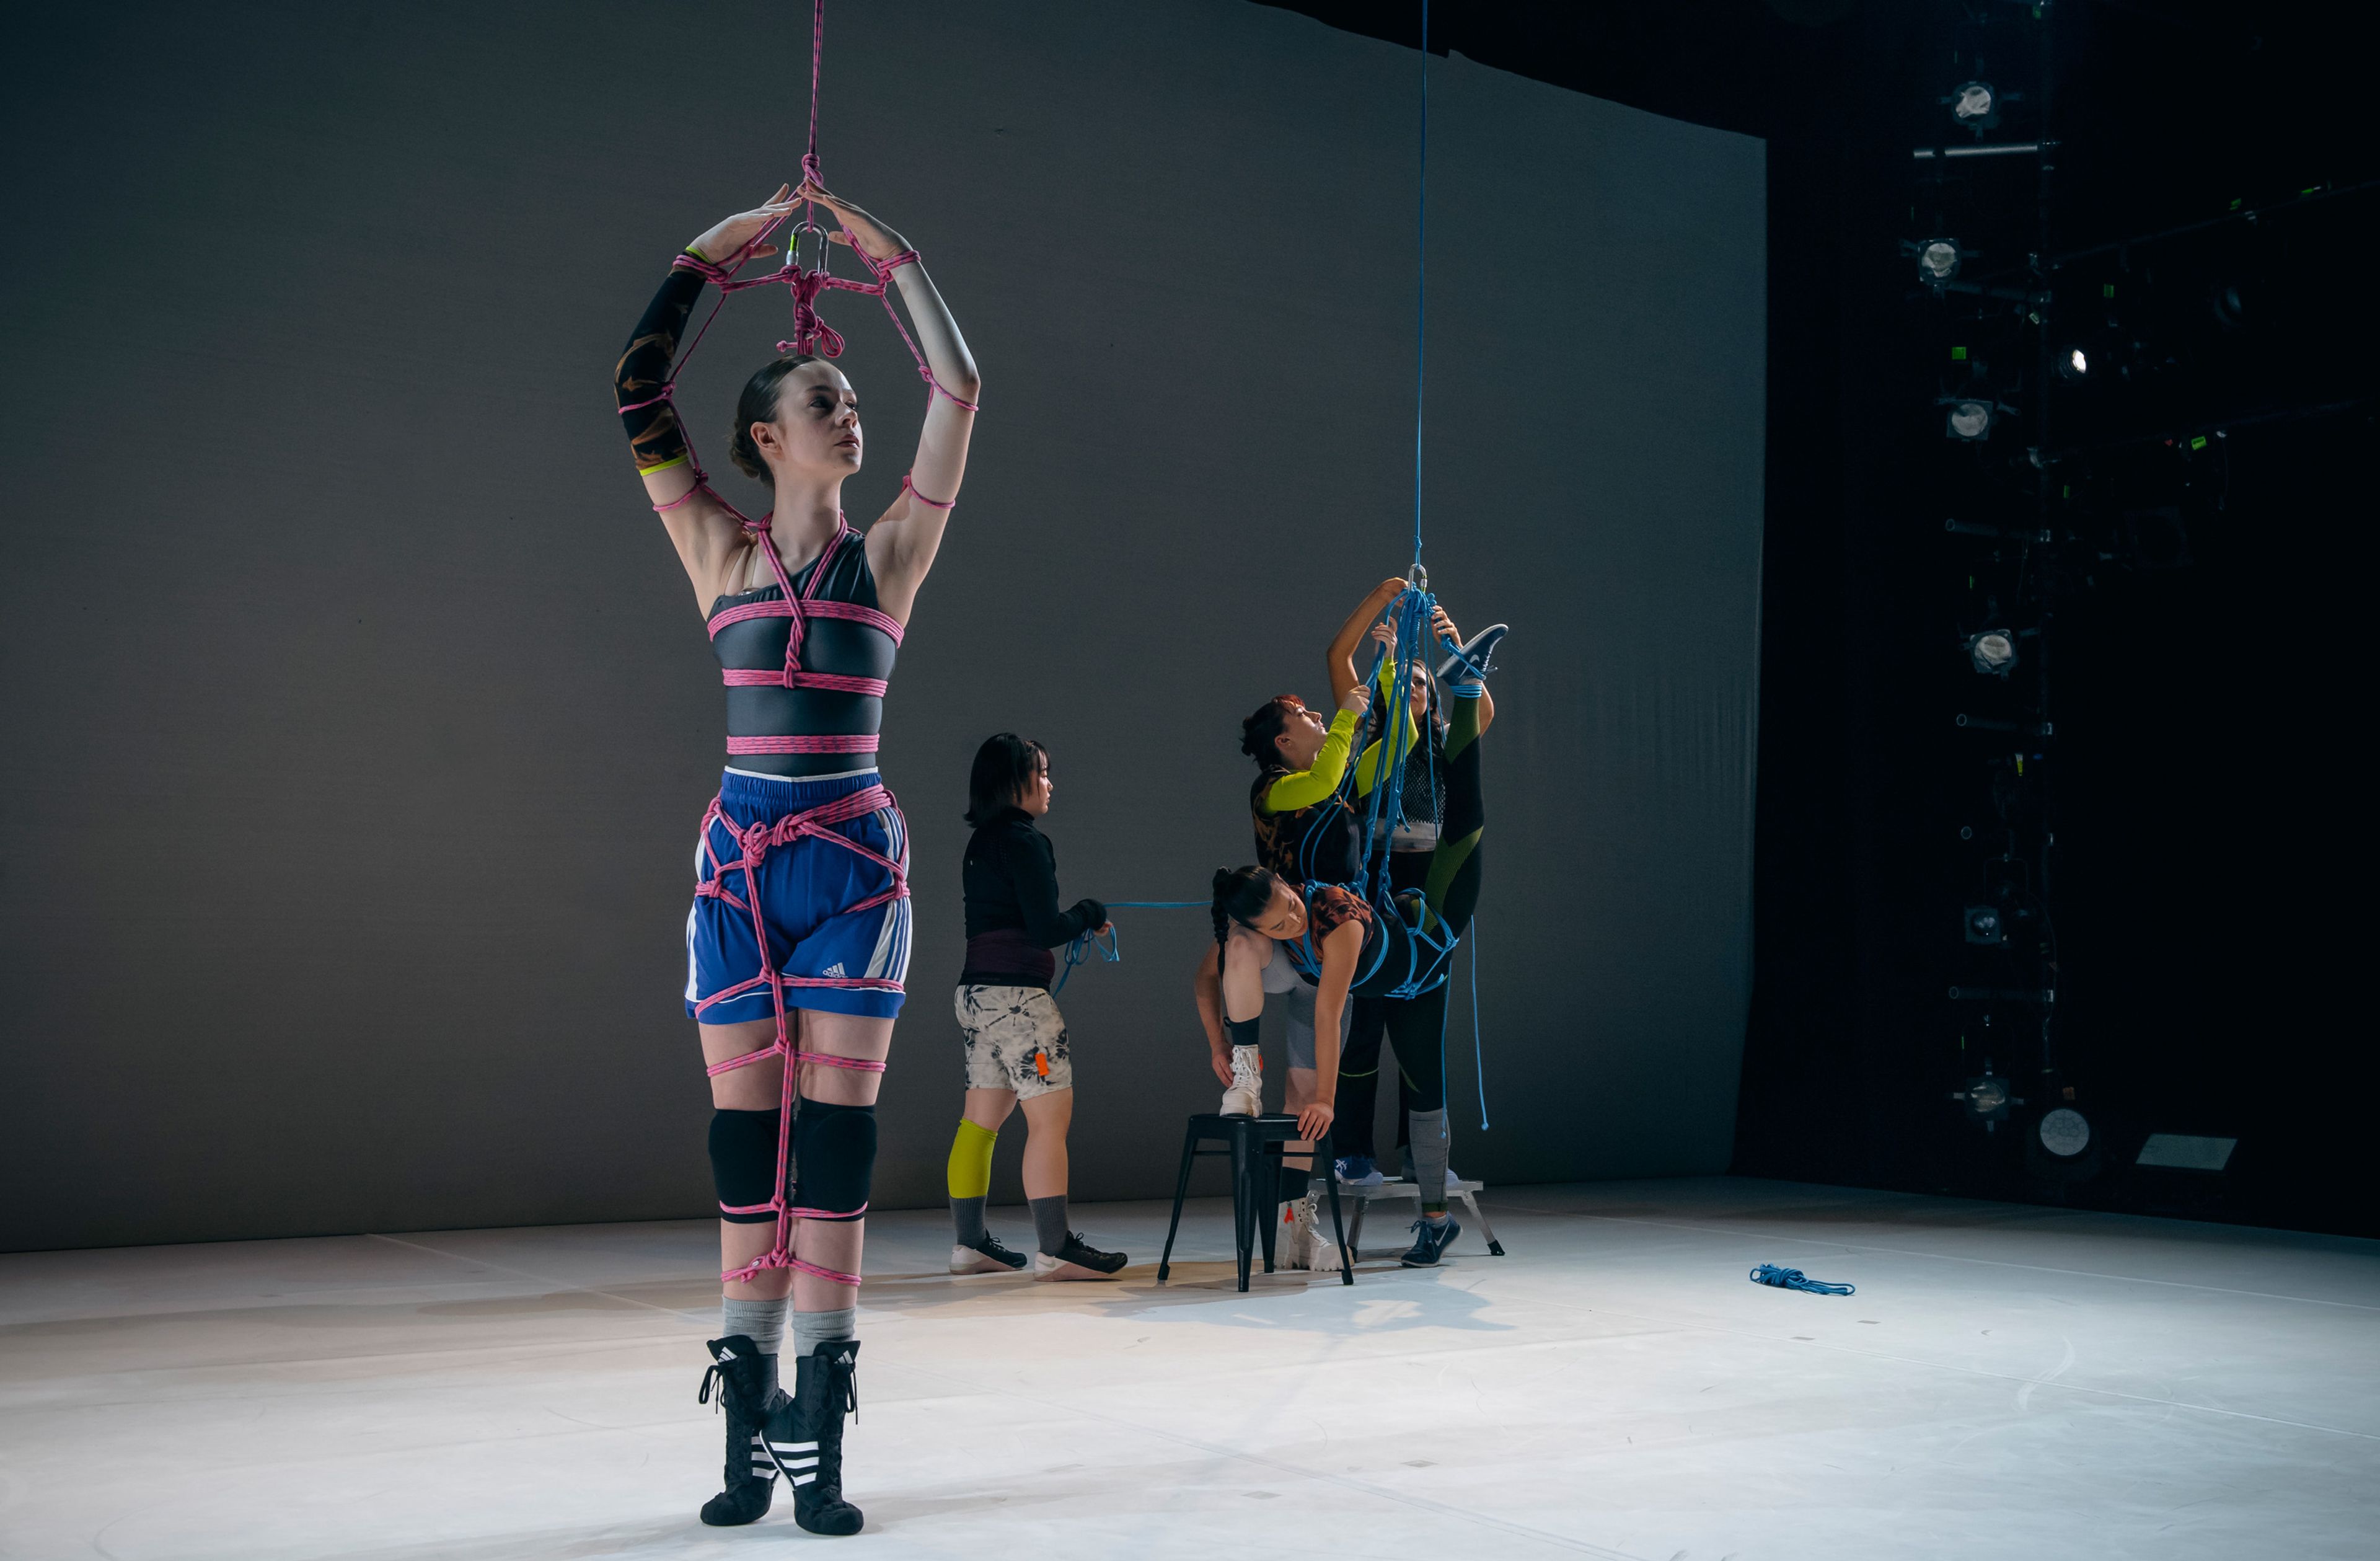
1416 1026
1359 1060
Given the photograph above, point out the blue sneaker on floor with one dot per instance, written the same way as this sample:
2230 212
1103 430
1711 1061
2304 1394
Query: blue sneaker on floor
1357 1170
1431 1238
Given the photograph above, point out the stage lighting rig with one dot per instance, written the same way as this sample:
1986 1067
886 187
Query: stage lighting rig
2074 363
1976 106
1987 1099
1993 651
2064 1132
1969 419
1938 260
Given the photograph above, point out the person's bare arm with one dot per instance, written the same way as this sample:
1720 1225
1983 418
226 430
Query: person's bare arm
1341 657
1341 950
903 543
1207 984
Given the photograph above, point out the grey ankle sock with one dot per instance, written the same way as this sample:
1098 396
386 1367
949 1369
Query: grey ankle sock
813 1328
1430 1145
762 1322
966 1220
1048 1223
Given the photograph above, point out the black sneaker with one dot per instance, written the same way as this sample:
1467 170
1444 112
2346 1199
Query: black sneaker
987 1257
1077 1260
804 1436
742 1382
1478 656
1431 1238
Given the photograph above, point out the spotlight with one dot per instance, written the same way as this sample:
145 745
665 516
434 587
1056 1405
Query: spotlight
1992 650
2064 1132
1976 106
2075 364
1938 261
1986 1099
1984 925
1968 418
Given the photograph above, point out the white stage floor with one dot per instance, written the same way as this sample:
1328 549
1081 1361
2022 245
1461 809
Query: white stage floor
2008 1382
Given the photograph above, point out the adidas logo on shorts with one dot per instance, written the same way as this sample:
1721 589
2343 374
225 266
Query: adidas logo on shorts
834 971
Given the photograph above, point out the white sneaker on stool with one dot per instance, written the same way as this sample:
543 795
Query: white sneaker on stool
1246 1097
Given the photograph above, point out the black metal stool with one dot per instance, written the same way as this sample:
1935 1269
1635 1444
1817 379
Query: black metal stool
1256 1145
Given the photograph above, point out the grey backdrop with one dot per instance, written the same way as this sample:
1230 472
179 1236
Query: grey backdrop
358 717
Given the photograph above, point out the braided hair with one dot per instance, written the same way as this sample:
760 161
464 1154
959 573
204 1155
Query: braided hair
1240 893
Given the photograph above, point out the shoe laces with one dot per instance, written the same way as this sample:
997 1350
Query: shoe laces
711 1378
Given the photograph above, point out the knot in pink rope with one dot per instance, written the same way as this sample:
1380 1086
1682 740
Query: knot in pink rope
810 333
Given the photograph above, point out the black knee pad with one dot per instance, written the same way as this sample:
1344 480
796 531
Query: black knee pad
834 1159
744 1161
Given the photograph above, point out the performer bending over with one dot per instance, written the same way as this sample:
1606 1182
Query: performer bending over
798 937
1016 1037
1345 947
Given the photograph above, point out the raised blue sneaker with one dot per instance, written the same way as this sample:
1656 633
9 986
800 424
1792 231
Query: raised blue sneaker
1357 1170
1431 1238
1479 651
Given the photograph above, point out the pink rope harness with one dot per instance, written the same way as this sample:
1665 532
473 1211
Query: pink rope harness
812 333
754 842
801 606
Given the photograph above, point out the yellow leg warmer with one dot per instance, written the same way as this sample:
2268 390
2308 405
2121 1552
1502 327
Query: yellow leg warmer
970 1168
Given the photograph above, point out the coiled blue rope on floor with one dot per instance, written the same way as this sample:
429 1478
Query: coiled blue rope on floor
1794 1279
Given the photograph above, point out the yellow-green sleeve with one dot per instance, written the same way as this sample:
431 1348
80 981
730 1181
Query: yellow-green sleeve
1367 769
1306 787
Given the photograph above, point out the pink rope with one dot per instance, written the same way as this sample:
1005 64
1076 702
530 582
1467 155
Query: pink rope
857 742
911 489
754 843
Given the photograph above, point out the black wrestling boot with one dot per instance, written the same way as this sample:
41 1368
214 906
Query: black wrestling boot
746 1383
804 1436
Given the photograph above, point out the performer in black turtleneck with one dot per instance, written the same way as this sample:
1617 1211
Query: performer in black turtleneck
1016 1037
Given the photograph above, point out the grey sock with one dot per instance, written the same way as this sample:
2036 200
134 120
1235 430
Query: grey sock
1430 1145
966 1220
813 1328
1048 1223
762 1322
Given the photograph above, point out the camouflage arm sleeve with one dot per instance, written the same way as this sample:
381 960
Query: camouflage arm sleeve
653 431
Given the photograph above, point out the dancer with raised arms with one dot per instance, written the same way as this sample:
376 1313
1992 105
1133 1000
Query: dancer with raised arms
797 942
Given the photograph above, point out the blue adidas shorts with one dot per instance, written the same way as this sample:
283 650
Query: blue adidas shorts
805 887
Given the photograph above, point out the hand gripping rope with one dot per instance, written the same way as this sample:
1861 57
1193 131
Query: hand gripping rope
812 333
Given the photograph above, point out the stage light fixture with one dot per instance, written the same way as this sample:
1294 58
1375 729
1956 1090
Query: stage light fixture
1986 1099
2075 364
1968 418
2064 1132
1976 106
1984 925
1938 261
1993 651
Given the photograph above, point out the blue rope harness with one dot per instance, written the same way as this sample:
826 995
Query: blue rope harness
1794 1279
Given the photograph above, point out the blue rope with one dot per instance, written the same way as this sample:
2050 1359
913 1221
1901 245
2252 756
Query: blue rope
1421 276
1478 1053
1794 1279
1085 947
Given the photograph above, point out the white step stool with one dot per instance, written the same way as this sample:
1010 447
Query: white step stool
1365 1196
